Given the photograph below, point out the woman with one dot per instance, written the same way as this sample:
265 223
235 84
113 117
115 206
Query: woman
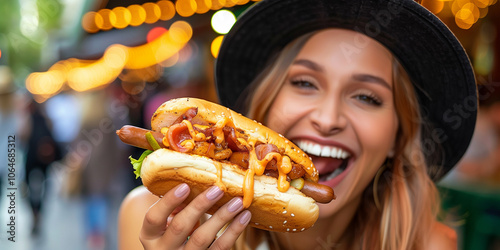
380 80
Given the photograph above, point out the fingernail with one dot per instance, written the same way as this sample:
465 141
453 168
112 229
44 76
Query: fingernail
213 193
181 190
245 217
234 204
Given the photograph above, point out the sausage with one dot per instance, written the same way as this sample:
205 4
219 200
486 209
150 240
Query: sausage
136 136
320 193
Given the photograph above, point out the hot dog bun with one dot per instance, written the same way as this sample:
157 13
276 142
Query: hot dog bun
290 211
210 112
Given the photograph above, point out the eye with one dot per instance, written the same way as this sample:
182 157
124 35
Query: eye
370 99
303 82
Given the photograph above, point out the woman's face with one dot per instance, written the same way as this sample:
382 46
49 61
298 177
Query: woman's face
337 105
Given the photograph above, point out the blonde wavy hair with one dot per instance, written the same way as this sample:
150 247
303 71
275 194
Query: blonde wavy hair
398 209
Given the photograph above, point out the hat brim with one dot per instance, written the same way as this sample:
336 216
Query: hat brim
433 57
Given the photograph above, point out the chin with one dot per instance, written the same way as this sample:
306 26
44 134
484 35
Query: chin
329 209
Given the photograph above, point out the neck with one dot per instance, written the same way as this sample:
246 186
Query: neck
332 232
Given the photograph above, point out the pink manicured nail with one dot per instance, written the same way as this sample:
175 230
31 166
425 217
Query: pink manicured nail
181 190
213 193
234 204
245 217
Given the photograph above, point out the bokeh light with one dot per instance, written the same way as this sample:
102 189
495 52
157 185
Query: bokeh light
153 12
433 6
155 33
138 14
222 21
89 23
203 6
123 17
185 8
167 9
218 4
215 46
106 20
84 75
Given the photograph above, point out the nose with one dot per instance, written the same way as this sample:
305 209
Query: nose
328 117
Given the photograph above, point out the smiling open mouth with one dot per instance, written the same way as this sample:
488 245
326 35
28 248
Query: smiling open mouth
337 158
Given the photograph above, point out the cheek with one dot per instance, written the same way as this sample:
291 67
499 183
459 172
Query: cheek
282 114
377 134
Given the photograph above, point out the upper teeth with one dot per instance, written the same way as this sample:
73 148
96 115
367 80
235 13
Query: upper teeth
324 151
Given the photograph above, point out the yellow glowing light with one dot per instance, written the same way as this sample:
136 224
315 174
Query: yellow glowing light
108 18
216 43
218 4
186 8
161 48
457 5
464 18
99 21
45 83
434 6
222 21
83 75
89 23
116 56
474 10
180 32
231 3
242 2
123 17
153 12
92 76
167 9
482 3
203 6
138 14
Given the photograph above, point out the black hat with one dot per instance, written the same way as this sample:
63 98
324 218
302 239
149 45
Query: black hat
433 57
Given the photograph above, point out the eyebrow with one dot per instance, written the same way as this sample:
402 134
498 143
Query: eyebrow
372 79
309 64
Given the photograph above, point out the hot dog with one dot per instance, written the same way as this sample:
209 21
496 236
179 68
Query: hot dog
136 136
202 143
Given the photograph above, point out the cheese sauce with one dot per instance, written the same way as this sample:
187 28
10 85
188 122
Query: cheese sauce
255 167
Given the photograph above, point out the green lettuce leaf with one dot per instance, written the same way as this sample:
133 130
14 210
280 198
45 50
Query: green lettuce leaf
138 163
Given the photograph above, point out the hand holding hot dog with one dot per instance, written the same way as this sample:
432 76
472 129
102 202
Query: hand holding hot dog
182 230
204 144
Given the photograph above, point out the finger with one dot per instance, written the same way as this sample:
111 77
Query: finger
229 237
205 234
155 220
182 224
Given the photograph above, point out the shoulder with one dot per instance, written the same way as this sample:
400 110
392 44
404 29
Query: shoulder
131 215
139 197
442 237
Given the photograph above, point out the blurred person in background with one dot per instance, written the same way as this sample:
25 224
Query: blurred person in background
42 150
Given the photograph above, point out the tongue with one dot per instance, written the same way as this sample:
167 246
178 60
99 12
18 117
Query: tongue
326 165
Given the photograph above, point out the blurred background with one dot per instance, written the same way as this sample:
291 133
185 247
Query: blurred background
74 71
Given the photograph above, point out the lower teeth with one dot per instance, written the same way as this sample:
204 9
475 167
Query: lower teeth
337 171
334 174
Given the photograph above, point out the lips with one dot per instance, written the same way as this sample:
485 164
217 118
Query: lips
331 161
